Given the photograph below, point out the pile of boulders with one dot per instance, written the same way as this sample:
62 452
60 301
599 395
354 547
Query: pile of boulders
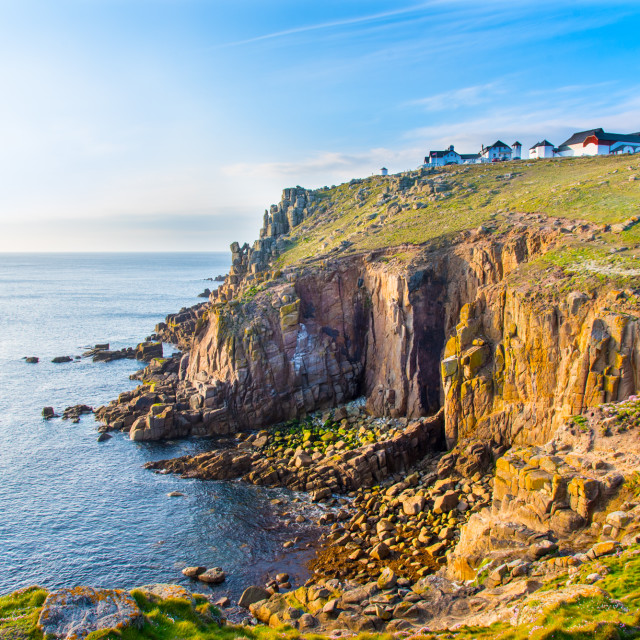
74 413
409 525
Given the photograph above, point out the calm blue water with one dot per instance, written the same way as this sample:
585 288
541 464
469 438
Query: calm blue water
72 510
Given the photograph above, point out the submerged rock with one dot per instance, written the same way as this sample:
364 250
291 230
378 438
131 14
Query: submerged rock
61 359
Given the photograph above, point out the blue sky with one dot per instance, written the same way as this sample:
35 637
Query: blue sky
172 124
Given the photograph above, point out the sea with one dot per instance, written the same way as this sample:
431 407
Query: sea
75 511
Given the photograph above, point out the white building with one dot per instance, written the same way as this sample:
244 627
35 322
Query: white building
516 151
497 152
384 171
470 158
442 158
542 149
596 142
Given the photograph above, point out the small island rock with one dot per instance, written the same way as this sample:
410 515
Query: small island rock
215 575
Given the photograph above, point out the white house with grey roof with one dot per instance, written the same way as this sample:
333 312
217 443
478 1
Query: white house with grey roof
597 142
497 152
542 149
442 158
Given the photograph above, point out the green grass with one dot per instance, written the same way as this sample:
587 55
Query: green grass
19 612
592 189
600 617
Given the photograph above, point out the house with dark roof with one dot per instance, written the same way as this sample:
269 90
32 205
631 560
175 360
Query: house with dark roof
470 158
543 149
597 142
516 151
442 158
497 152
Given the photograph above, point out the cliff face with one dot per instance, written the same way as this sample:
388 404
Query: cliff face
513 370
290 350
449 326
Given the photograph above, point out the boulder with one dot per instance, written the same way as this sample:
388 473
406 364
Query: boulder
48 413
446 502
215 575
603 549
162 591
387 579
72 614
61 359
193 572
542 548
618 519
413 506
307 621
148 350
302 460
380 551
32 360
251 595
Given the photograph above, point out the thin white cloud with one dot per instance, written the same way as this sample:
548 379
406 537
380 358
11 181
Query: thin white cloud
519 122
327 167
463 97
554 122
333 24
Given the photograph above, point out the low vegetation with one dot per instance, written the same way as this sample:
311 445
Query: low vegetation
614 613
423 206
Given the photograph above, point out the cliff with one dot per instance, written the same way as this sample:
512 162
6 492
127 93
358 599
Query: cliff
493 323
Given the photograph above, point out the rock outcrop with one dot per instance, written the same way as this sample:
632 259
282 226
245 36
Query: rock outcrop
453 328
70 614
343 471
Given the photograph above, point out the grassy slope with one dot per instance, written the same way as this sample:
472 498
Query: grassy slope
596 189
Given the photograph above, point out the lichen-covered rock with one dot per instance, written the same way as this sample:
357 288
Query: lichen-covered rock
72 614
162 591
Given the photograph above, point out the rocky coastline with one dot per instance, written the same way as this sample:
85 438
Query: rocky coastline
463 410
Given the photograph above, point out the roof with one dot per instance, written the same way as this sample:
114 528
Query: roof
469 156
581 136
516 144
499 143
441 154
544 143
623 137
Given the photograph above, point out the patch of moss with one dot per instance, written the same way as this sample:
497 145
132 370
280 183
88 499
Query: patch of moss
19 612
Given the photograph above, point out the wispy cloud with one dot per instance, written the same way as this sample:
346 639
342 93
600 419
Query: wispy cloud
331 24
552 120
524 122
328 166
463 97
